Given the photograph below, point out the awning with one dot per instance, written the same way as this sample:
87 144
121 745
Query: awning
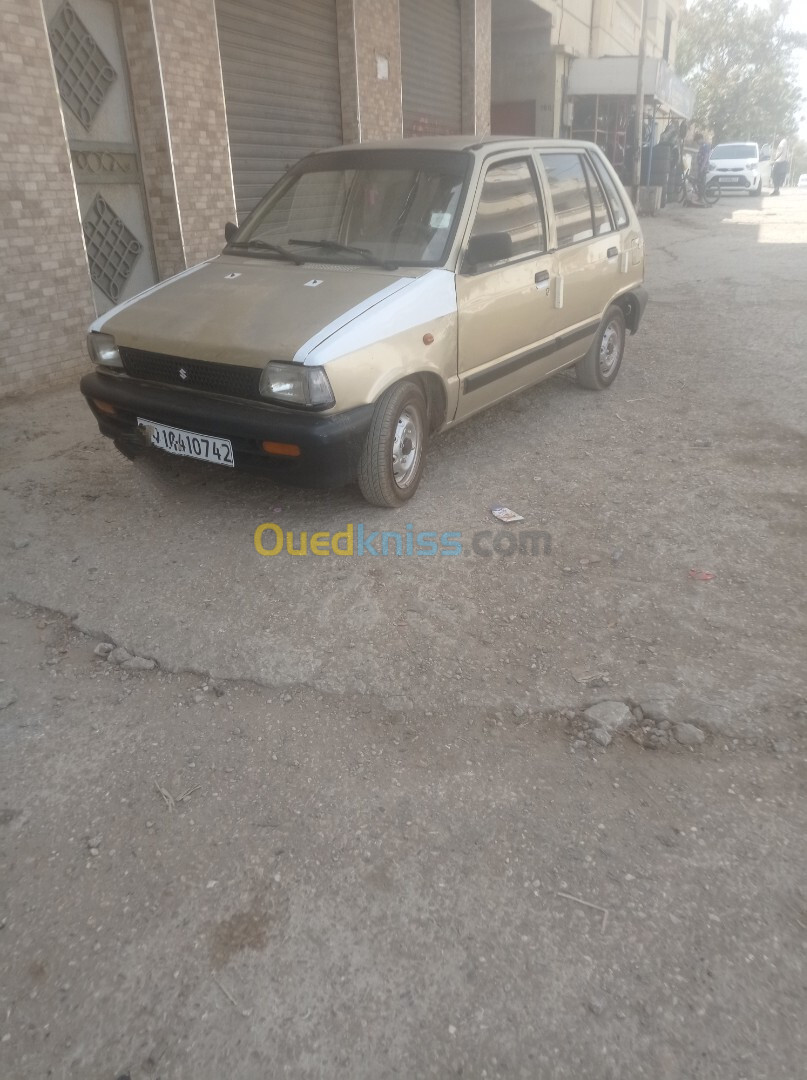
616 76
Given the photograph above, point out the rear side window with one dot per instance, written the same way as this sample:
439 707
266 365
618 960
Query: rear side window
509 203
570 197
601 217
618 210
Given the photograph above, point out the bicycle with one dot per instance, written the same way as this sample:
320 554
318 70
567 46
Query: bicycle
707 193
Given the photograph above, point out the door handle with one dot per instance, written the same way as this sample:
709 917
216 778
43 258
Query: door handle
612 252
542 277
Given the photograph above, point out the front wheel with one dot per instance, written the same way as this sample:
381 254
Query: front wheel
711 193
392 459
599 367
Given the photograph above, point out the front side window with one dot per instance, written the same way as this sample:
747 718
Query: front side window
570 197
395 207
509 203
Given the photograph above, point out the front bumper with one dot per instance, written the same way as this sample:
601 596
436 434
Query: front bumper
734 181
330 445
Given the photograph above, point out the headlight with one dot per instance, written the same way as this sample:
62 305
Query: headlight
103 350
295 384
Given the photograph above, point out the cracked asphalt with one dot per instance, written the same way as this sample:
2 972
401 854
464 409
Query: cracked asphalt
386 806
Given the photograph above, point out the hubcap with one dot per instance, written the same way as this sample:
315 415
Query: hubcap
406 447
609 349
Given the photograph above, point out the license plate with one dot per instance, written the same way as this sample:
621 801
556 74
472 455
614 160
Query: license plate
188 443
729 179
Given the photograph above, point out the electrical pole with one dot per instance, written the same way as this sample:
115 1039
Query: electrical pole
637 134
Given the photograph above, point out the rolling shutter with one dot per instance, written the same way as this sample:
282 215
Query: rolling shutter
431 63
280 65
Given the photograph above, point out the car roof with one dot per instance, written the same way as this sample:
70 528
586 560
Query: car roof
467 143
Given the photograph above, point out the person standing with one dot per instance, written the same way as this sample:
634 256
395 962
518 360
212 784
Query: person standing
780 165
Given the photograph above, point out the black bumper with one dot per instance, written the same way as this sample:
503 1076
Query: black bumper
330 445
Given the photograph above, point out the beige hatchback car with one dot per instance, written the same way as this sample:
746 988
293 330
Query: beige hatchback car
377 295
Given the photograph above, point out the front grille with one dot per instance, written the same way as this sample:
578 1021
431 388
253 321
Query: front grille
227 379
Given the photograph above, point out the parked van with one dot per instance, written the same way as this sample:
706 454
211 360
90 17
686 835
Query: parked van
379 294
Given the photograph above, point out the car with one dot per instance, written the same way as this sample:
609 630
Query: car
738 166
379 294
802 182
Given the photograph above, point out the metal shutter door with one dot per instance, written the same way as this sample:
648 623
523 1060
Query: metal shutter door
431 63
280 65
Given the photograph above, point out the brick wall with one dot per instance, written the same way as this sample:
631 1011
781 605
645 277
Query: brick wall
45 300
187 41
152 134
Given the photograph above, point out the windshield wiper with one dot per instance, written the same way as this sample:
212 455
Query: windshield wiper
334 245
265 246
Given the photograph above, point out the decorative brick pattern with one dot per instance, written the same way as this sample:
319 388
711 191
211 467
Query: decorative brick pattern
112 248
152 134
46 299
188 47
83 73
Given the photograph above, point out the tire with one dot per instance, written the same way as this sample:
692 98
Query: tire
756 192
711 193
600 366
392 459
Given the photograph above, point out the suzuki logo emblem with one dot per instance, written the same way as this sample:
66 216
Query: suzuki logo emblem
183 373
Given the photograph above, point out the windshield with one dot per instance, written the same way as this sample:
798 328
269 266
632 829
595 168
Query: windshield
731 151
388 207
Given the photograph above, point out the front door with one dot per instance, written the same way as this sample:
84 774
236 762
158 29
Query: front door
507 320
91 74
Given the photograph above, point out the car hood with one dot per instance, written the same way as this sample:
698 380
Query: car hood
247 311
731 163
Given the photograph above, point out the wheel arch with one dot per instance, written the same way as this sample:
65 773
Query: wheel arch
631 309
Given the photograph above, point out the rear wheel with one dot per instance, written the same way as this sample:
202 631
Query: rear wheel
711 193
392 459
599 367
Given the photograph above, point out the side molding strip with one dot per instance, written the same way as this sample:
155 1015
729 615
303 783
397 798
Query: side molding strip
507 367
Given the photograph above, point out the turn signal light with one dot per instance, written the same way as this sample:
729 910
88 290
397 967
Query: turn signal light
104 406
285 449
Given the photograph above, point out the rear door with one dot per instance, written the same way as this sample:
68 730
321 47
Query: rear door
507 322
588 247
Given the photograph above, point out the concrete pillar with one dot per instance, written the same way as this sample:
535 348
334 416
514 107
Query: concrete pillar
196 123
370 66
476 52
148 105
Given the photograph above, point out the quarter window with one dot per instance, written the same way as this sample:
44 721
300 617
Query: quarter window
509 203
570 197
601 217
611 193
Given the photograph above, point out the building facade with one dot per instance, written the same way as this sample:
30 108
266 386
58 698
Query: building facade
132 130
536 45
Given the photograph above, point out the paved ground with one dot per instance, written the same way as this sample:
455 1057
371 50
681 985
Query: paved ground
396 805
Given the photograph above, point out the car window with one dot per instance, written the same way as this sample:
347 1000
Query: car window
510 203
618 210
570 197
602 219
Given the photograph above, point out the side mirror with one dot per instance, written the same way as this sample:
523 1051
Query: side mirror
487 248
230 229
